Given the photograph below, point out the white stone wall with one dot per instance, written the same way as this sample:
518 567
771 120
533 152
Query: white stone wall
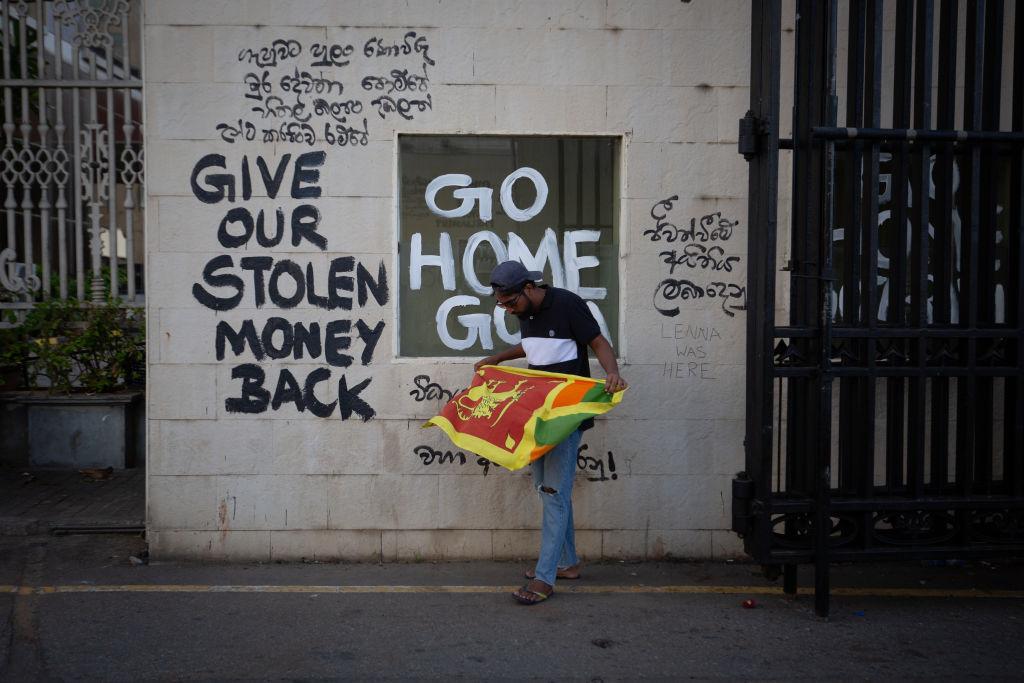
669 76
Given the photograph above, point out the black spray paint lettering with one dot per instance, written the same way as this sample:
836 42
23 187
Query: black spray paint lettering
277 92
256 398
431 455
211 188
587 463
280 339
411 44
427 390
341 135
386 104
688 331
284 276
699 256
687 370
708 228
285 283
604 468
306 83
398 80
279 50
670 289
330 55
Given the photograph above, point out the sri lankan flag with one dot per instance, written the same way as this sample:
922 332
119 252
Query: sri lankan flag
512 416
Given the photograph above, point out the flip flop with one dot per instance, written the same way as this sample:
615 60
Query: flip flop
531 597
560 574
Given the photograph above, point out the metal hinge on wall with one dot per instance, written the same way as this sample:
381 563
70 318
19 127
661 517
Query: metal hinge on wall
751 128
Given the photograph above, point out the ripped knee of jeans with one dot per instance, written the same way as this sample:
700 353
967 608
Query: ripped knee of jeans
547 489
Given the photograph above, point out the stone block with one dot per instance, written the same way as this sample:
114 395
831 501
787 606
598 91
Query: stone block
726 545
382 502
231 61
325 447
644 169
234 546
454 109
623 544
733 103
192 111
515 544
667 396
362 171
181 392
208 447
585 14
493 502
589 545
192 503
663 113
646 240
408 449
697 336
684 281
703 171
551 109
177 54
678 544
669 14
195 13
570 57
523 545
442 544
240 502
655 502
325 545
389 546
709 56
662 447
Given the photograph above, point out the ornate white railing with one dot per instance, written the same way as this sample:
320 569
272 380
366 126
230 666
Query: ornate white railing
71 164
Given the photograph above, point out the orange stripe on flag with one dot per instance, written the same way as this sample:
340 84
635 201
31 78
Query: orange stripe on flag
572 394
539 451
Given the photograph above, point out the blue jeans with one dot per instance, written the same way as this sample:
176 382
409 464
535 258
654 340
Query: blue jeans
553 477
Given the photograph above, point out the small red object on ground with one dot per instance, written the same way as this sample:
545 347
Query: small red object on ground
749 604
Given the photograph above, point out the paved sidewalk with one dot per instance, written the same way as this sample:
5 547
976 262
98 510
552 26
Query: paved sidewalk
37 501
76 607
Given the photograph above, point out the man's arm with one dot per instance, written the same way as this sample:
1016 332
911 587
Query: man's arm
606 357
510 353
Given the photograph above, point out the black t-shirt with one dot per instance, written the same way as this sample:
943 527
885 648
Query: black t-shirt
555 337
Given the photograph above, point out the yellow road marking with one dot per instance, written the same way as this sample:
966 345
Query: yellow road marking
633 590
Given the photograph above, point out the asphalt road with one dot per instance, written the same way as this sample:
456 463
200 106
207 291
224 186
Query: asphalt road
76 608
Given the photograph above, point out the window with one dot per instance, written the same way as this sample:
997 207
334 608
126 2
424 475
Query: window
467 202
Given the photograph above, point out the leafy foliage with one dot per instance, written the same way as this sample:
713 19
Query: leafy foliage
77 347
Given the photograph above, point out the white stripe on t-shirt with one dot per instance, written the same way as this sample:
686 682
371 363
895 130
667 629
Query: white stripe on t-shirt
544 351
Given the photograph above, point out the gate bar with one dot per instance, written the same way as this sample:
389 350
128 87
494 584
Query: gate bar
901 134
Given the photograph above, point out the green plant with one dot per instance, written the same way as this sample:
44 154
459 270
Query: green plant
77 347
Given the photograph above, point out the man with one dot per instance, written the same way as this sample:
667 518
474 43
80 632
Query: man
556 328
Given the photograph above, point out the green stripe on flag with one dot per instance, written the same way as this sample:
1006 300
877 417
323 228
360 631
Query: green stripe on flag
596 394
555 430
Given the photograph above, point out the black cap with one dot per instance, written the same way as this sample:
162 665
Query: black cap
512 274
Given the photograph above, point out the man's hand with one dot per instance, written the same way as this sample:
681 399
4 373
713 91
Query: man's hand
614 382
485 361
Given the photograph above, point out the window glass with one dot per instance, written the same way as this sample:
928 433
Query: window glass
466 202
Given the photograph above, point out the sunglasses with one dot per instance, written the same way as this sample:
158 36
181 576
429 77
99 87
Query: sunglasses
509 304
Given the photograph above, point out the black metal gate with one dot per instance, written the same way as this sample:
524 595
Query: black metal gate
885 417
